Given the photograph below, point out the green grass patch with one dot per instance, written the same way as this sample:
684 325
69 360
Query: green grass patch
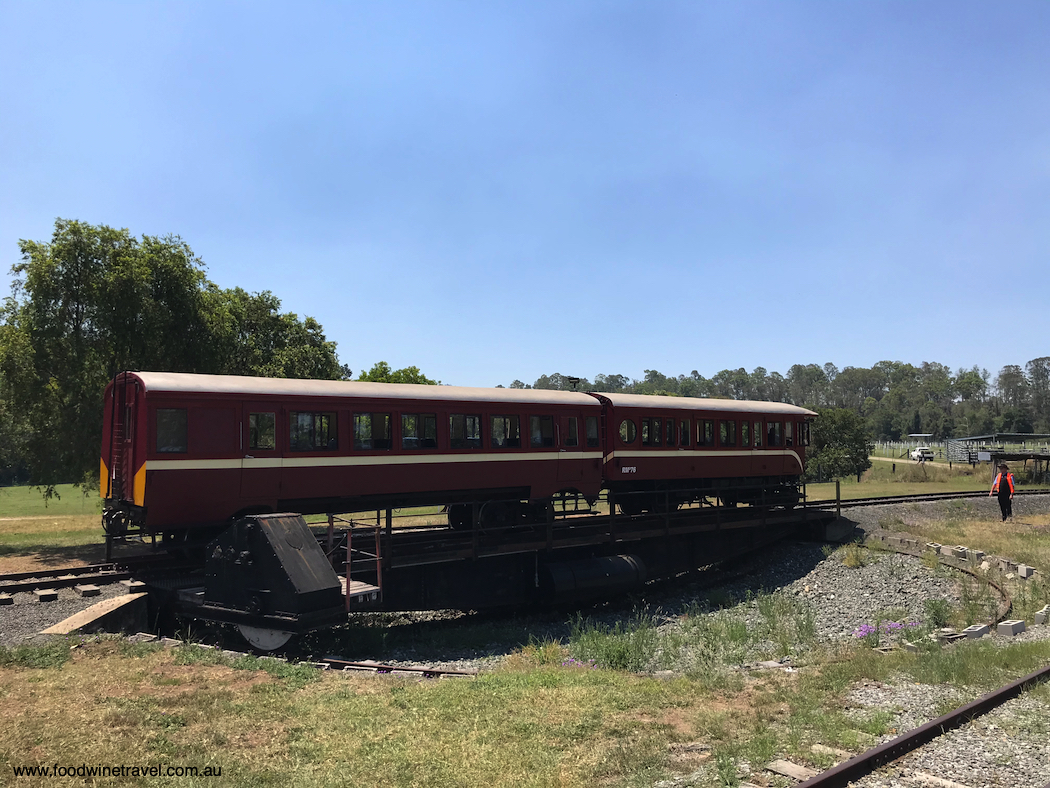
30 502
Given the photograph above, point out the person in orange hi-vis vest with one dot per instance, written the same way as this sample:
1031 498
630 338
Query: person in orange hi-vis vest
1003 486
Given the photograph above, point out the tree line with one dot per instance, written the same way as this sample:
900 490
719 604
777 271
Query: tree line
893 399
96 300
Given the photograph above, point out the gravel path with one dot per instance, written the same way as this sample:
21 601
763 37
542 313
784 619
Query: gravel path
22 621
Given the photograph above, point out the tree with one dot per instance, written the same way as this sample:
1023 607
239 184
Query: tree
381 373
841 444
96 300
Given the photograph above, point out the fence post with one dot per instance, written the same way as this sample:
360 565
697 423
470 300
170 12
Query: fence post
838 499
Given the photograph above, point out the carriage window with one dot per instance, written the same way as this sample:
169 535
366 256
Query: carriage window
758 434
541 430
171 430
670 432
418 431
772 433
312 431
788 436
372 431
262 431
464 431
572 434
803 433
651 432
591 426
506 432
727 433
705 432
745 433
683 433
628 432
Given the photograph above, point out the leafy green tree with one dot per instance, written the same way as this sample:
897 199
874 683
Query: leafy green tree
841 444
382 373
97 300
251 336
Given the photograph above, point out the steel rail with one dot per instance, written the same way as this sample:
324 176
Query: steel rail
867 762
111 572
64 582
915 498
379 667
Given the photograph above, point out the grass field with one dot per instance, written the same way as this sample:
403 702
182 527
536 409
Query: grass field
569 714
534 722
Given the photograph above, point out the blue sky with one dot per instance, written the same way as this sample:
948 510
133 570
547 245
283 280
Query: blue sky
493 191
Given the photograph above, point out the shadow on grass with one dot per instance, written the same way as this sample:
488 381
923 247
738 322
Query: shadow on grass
57 555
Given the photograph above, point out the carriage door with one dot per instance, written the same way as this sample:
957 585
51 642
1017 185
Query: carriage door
261 457
124 459
570 464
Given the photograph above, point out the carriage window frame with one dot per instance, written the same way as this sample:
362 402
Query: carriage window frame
367 437
411 439
789 433
745 434
590 426
685 428
705 432
757 435
469 430
774 433
727 432
505 431
628 432
262 430
803 433
571 439
172 430
652 429
320 429
541 432
670 432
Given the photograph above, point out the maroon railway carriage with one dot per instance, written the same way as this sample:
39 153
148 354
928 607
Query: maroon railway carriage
661 452
184 451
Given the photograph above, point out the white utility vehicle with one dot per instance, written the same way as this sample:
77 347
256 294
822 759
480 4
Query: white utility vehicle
922 453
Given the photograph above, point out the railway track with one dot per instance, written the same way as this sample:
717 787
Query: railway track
865 764
916 498
97 574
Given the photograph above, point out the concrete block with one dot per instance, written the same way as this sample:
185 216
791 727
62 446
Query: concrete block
133 586
45 594
170 642
1025 571
1010 627
116 614
976 555
6 599
142 637
960 552
1007 565
933 546
908 646
1041 616
946 550
976 631
87 589
896 541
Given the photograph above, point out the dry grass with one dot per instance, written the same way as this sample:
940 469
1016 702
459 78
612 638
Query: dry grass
536 725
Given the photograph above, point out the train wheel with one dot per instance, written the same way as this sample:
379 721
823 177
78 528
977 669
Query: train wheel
460 516
264 639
